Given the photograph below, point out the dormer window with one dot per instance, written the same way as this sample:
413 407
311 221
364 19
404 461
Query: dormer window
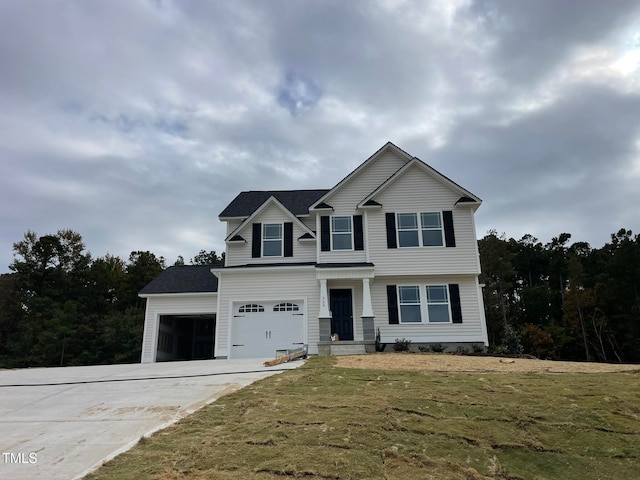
341 233
272 240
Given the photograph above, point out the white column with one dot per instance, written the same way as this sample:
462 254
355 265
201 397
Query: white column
324 301
367 309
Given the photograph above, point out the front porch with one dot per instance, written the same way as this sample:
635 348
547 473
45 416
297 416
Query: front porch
346 316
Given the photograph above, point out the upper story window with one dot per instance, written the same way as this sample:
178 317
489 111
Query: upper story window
420 230
272 240
341 233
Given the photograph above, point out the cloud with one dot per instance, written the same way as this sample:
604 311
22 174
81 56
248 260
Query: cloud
136 123
298 94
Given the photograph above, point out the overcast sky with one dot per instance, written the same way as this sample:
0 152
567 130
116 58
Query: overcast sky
135 123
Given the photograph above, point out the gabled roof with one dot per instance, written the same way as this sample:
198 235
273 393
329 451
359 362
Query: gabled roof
471 199
296 201
183 279
272 200
387 146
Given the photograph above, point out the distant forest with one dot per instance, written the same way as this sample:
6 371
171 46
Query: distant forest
562 301
60 306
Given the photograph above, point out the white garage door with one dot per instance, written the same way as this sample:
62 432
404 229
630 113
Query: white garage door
258 329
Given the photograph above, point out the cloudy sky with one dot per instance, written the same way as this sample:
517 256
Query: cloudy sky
134 123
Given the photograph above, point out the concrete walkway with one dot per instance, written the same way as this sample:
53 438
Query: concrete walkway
60 423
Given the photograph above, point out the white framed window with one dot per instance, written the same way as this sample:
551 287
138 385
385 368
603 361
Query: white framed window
409 304
420 230
251 308
408 230
438 310
272 240
286 307
431 224
341 233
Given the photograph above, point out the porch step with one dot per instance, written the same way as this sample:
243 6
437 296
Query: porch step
341 348
338 349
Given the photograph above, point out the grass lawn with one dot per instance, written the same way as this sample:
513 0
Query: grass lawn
324 422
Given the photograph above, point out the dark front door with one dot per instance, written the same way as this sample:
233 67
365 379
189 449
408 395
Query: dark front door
341 314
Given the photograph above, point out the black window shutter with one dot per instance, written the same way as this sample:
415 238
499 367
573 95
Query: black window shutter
325 239
454 298
358 235
449 235
288 239
256 240
392 303
391 230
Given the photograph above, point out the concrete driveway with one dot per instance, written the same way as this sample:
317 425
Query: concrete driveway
60 423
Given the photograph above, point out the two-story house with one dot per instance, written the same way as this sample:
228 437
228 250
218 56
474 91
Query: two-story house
391 248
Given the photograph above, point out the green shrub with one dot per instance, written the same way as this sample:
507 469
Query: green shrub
401 345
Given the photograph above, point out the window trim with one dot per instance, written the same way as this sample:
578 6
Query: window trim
420 304
423 298
420 229
400 229
272 240
426 298
332 233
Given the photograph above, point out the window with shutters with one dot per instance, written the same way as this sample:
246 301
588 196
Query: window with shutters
286 307
409 303
251 308
438 304
420 230
341 233
272 240
413 308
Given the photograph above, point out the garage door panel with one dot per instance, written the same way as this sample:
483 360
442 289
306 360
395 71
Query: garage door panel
260 333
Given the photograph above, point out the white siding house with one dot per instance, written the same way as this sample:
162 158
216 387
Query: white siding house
391 249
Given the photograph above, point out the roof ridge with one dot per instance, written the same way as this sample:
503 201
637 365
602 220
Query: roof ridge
291 190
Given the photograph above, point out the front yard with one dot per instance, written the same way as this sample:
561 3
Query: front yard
329 422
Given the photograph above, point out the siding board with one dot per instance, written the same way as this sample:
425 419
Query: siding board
345 200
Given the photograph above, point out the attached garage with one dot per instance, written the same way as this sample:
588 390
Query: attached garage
181 315
185 337
259 329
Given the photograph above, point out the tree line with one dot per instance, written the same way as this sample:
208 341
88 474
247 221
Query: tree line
562 300
61 306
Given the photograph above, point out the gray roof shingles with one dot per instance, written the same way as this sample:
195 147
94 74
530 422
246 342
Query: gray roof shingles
296 201
183 279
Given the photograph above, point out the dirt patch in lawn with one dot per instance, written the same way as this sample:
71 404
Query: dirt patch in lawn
434 362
